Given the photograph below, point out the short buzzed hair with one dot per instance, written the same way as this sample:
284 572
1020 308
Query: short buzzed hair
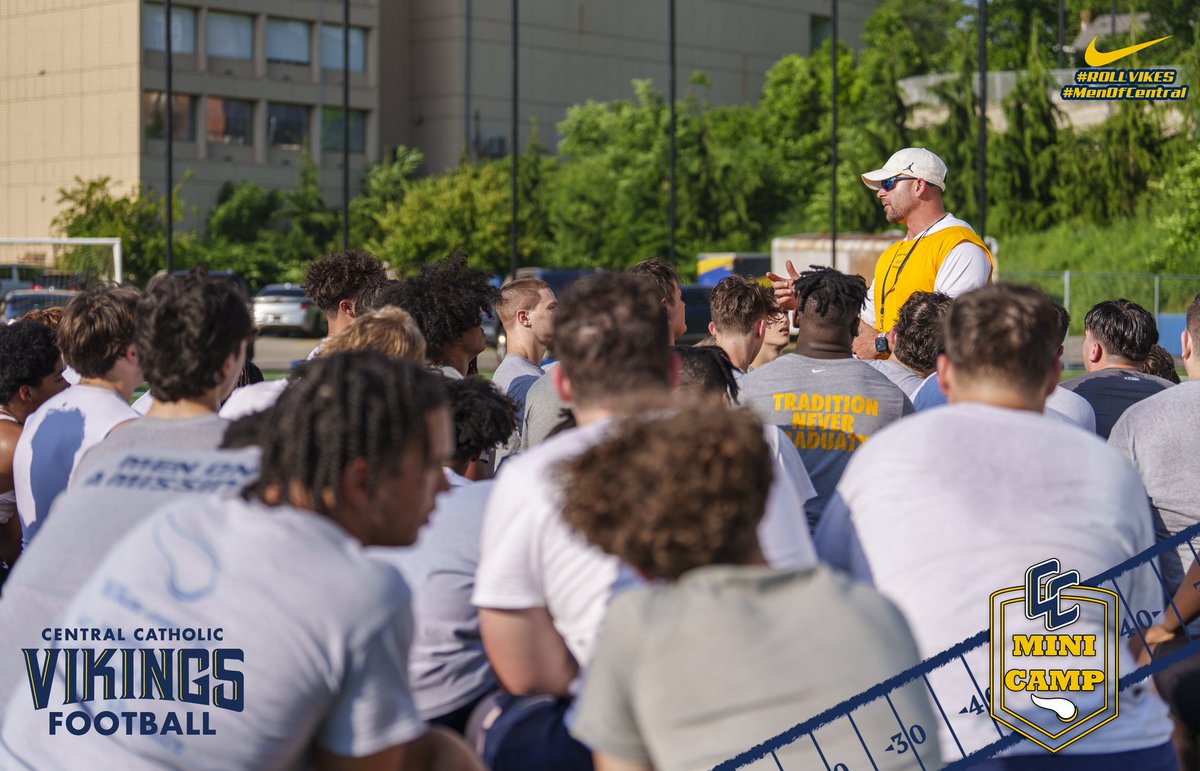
97 328
340 276
1004 333
520 295
665 277
612 337
919 330
1123 327
736 305
390 331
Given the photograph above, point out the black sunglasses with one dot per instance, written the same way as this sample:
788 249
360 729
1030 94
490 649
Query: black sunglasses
889 184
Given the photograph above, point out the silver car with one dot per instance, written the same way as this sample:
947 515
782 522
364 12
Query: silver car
284 308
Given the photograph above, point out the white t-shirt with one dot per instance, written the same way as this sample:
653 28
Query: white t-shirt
252 398
324 631
108 498
143 403
52 442
966 267
944 508
531 558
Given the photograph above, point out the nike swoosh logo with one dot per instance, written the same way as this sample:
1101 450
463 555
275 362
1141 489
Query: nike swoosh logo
1100 59
815 371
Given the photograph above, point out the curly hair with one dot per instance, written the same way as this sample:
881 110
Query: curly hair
187 328
51 317
96 328
27 355
667 494
447 299
483 417
918 329
389 330
340 276
342 408
1160 362
373 296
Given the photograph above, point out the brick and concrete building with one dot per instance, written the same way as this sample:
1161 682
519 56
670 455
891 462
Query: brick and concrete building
81 82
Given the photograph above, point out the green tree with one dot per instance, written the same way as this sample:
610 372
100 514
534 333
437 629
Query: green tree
1177 217
90 209
383 183
466 208
956 139
241 212
1024 162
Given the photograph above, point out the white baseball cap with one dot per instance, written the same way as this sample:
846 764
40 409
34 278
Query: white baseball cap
909 162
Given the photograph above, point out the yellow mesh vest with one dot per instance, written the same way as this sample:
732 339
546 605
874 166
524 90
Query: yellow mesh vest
892 288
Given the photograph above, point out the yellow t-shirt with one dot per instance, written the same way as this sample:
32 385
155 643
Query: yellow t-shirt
912 266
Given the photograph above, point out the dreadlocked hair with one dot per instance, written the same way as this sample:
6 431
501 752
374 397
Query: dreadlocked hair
343 407
830 289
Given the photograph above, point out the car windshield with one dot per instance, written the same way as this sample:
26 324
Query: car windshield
19 306
281 291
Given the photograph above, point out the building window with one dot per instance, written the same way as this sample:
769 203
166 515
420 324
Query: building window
287 126
183 116
230 121
820 29
230 35
331 48
331 130
183 29
288 41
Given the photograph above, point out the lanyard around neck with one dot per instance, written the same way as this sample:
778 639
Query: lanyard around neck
883 300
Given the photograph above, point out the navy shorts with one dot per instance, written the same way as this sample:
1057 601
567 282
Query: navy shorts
526 733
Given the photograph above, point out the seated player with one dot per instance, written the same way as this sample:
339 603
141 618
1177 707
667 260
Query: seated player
449 668
943 509
526 308
778 332
30 373
333 283
1118 335
96 339
826 401
310 667
703 664
915 341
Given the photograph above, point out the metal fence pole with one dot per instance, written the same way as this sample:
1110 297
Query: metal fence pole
1157 292
1067 290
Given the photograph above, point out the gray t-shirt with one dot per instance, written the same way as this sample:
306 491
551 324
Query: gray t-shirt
448 665
316 631
515 376
1112 391
904 378
200 433
543 411
827 407
775 648
98 509
1161 436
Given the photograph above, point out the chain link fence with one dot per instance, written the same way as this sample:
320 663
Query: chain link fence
1078 291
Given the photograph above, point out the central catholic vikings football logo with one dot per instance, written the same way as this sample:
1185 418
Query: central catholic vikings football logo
1054 650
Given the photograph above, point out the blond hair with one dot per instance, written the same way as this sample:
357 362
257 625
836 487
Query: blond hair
390 331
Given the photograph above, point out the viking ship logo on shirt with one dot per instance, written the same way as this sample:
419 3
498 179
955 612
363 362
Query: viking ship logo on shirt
1054 656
